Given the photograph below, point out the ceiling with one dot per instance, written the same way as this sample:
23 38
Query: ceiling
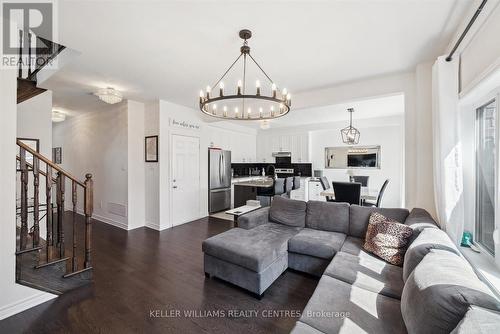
385 106
171 49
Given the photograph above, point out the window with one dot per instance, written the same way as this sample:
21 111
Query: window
485 175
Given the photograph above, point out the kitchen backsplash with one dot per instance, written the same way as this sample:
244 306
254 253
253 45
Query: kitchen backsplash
245 169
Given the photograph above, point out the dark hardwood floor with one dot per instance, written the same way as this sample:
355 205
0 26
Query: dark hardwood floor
147 281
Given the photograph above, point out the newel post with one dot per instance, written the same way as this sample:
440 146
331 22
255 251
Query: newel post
88 208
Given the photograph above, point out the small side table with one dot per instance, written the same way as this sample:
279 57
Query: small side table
240 211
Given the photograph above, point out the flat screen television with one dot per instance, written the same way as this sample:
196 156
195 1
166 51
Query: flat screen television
362 160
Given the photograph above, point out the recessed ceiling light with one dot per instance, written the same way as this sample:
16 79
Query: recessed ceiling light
58 116
109 95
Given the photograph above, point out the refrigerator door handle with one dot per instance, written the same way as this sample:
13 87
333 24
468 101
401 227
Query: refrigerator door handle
220 169
223 169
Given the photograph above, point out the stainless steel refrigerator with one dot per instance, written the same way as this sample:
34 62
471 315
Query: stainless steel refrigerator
219 180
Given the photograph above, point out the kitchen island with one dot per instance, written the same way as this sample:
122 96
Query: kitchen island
246 189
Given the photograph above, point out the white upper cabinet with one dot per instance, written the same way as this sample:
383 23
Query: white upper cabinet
241 145
297 144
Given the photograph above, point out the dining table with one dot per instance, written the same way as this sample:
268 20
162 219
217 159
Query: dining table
366 193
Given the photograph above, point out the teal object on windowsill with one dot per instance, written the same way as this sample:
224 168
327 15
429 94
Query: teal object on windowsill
466 239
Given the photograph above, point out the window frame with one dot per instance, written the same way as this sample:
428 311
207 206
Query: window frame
482 103
477 104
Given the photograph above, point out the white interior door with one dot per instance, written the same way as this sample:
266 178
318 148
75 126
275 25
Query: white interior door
185 179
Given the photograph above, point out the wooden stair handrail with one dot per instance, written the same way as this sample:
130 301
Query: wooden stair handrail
50 163
18 158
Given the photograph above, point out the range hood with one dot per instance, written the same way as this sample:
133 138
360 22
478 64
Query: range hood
282 154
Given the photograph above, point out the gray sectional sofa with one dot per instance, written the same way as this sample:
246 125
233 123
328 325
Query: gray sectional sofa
436 290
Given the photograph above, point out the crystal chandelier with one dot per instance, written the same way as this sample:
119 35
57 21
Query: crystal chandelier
350 135
243 105
109 95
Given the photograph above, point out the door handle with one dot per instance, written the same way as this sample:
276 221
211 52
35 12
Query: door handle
175 187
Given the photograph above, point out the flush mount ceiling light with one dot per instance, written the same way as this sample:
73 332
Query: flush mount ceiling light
109 95
244 105
58 116
350 135
265 124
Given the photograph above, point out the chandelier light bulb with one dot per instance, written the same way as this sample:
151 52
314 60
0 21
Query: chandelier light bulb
257 84
201 93
273 86
249 112
236 112
221 89
260 112
288 97
284 92
208 89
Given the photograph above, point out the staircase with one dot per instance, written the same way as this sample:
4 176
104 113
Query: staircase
27 76
44 260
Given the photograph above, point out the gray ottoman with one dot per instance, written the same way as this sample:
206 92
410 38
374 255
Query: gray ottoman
251 259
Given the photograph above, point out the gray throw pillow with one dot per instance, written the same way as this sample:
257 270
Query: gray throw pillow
288 212
440 291
429 238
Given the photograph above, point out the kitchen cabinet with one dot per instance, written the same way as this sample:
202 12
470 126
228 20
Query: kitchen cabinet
297 144
241 145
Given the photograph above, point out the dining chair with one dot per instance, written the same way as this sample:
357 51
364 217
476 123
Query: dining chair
347 192
288 186
296 182
359 178
379 197
326 185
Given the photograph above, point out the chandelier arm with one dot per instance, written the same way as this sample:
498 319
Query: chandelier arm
229 69
267 76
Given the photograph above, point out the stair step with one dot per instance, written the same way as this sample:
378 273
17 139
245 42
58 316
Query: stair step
34 249
49 277
26 89
43 265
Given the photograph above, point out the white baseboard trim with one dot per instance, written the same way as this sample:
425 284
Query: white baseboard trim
109 221
24 304
156 226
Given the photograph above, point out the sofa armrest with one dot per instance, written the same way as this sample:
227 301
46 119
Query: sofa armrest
254 218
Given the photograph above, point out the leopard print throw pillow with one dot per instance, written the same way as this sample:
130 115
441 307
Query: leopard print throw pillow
387 238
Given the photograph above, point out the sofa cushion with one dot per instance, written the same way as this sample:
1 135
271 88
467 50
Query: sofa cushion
419 219
254 249
429 238
328 216
254 218
439 292
367 273
288 212
354 246
360 215
387 238
322 244
338 307
477 320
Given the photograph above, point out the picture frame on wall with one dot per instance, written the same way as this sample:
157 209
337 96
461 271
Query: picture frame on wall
57 155
34 144
151 148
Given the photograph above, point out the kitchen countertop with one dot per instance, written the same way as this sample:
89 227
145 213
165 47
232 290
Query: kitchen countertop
260 182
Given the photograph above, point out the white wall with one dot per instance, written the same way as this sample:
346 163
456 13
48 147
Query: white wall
158 121
136 176
14 297
482 53
418 150
388 135
96 143
34 120
152 185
